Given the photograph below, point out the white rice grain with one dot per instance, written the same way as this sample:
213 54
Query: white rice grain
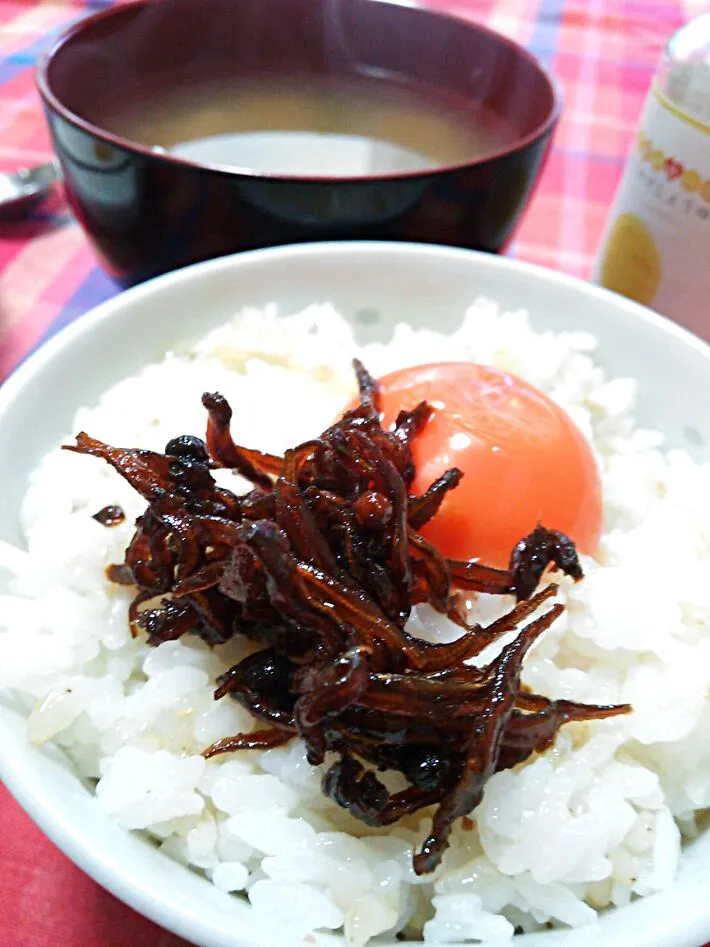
589 824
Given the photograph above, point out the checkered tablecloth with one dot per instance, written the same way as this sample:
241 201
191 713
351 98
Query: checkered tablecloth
603 52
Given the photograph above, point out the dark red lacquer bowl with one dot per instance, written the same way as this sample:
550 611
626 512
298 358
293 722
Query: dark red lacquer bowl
148 212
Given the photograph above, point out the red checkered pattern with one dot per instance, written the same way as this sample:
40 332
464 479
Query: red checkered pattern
603 53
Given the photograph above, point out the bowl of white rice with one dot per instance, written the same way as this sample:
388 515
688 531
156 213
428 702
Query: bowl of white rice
599 840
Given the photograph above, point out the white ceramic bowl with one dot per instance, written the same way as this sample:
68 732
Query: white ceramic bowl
375 285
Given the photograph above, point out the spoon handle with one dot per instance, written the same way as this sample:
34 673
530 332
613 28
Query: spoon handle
27 185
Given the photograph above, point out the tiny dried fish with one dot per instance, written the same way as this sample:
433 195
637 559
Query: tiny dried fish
321 564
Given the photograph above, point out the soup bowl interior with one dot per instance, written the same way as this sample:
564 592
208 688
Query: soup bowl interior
393 122
423 286
148 50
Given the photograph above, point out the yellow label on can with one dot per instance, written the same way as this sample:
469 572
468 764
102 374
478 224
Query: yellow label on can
656 247
631 263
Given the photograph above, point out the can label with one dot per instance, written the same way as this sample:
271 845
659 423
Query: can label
656 248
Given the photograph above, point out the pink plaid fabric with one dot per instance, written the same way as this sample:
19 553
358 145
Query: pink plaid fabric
603 52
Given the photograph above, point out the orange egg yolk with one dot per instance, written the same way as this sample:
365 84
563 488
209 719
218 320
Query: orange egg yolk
524 460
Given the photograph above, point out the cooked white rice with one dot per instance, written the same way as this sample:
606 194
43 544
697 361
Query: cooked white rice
591 823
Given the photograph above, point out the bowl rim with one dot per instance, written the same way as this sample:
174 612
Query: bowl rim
24 780
23 372
538 134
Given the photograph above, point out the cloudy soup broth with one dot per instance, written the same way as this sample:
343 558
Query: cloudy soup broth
347 128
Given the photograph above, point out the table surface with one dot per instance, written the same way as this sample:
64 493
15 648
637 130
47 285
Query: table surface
603 52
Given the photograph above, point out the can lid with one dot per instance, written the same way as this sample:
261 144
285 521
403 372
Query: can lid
685 74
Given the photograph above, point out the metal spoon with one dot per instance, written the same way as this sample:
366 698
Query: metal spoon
27 185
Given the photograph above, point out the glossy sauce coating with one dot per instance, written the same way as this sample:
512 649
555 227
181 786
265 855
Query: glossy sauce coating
110 516
321 564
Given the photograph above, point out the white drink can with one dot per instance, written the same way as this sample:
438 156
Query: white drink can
656 245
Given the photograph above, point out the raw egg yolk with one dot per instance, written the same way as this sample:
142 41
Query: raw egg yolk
524 460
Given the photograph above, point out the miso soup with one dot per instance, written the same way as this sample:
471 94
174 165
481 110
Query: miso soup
300 127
